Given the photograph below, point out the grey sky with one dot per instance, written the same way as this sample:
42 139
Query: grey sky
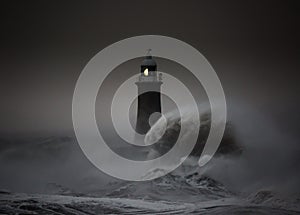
253 47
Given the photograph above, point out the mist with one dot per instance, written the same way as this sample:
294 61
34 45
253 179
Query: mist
270 157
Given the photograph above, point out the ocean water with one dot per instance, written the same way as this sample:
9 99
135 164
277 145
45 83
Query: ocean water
251 174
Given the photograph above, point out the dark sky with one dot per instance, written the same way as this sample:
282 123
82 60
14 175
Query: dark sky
252 45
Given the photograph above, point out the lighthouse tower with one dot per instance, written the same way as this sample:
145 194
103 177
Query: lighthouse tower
149 99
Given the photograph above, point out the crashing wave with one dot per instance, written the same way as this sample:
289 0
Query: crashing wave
165 131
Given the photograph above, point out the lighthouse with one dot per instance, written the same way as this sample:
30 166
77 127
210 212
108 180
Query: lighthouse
149 96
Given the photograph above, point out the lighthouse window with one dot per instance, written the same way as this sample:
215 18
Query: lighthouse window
146 72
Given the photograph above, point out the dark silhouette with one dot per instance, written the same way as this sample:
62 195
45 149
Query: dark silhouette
149 99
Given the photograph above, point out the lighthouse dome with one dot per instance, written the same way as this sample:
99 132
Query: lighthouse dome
148 61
